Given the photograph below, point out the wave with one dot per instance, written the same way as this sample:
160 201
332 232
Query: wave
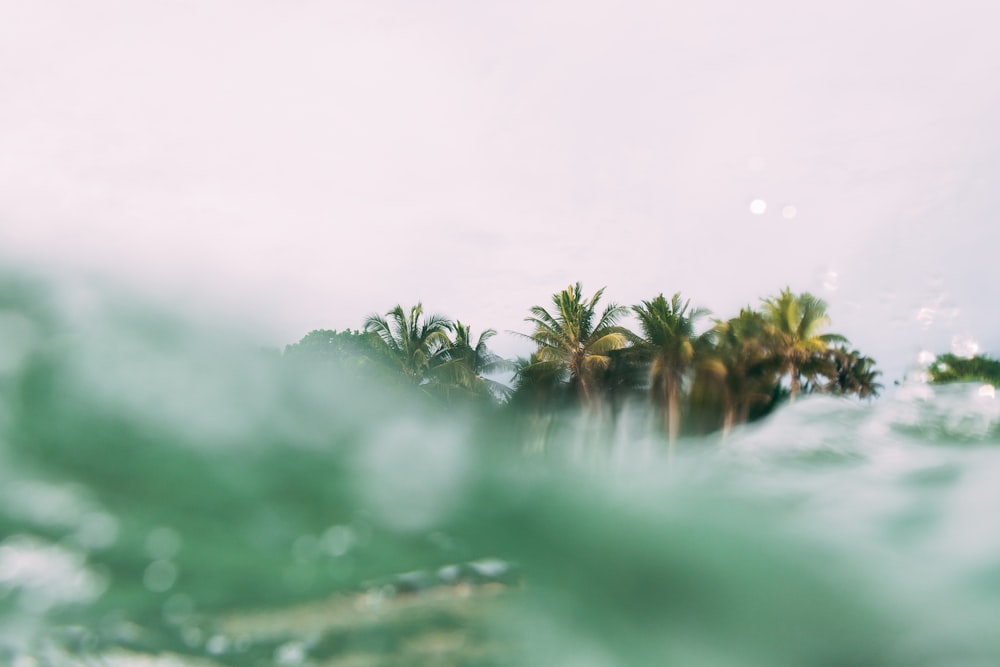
173 495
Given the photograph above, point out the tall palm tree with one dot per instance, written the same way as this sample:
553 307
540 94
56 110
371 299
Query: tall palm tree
573 340
741 366
412 342
796 323
465 366
668 343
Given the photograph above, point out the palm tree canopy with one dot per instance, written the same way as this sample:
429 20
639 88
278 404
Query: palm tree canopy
466 366
850 372
668 344
668 334
573 336
412 341
796 323
740 371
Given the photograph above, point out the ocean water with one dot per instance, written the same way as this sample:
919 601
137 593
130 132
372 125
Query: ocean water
172 496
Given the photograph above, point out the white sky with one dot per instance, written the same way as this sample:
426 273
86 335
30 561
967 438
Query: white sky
305 163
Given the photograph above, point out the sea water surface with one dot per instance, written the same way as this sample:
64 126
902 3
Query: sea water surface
170 496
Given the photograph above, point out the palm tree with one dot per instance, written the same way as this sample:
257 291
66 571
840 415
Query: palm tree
741 365
464 367
668 344
796 323
850 372
573 340
413 342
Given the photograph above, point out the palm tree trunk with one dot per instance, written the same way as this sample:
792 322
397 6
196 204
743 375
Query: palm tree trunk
728 416
794 390
661 401
585 390
673 413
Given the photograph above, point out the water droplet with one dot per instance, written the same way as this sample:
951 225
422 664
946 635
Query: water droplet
789 212
191 635
925 357
163 543
178 609
337 540
925 316
987 391
217 645
292 653
758 206
490 567
160 576
964 346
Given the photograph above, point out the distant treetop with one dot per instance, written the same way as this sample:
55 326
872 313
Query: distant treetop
952 368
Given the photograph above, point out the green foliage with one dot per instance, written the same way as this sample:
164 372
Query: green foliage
413 342
740 372
850 372
795 326
354 355
668 345
728 375
952 368
462 370
573 341
330 345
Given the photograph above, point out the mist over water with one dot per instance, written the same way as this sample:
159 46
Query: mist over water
174 496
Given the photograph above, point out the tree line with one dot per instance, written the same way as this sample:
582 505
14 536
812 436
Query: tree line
953 368
696 374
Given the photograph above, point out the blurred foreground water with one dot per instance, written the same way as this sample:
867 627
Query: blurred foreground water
173 497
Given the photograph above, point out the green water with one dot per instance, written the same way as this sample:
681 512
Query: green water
172 496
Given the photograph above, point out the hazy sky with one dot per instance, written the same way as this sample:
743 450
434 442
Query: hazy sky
306 163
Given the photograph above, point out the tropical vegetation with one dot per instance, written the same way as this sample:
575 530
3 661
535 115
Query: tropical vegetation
573 341
667 345
693 374
953 368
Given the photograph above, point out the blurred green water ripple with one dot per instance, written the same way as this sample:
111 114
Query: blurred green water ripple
172 496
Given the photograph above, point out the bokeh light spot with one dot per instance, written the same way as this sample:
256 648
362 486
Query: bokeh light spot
163 543
831 281
160 576
964 346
